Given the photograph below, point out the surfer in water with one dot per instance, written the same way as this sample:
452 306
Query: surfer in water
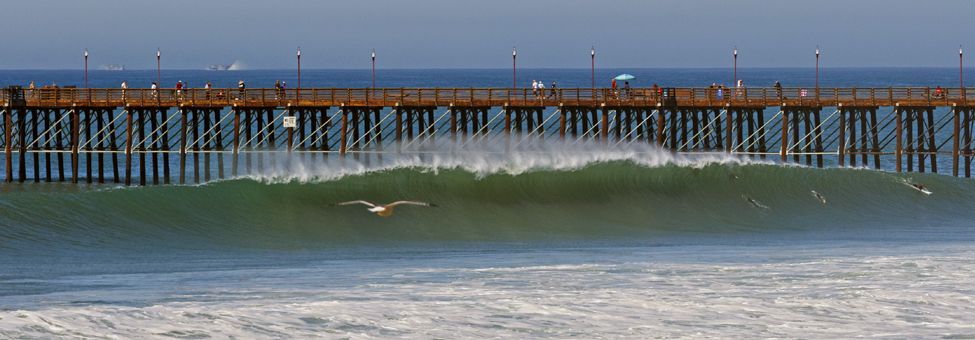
387 209
920 187
755 203
819 197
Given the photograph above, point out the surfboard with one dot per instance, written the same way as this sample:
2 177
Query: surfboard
922 190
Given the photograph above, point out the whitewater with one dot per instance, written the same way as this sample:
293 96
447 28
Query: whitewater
534 239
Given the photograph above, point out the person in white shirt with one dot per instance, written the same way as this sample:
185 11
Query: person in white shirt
125 87
541 89
535 88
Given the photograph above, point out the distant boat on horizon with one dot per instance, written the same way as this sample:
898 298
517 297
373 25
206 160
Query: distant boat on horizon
113 67
236 66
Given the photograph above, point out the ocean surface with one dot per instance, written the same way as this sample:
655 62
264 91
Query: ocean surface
546 241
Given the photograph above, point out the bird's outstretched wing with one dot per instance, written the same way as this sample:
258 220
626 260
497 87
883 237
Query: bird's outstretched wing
358 202
425 204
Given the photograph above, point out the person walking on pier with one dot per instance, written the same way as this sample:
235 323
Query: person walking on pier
535 88
612 87
30 89
206 89
626 89
778 89
154 90
277 89
241 87
554 91
179 89
541 89
125 88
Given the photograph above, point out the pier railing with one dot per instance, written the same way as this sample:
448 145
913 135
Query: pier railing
386 97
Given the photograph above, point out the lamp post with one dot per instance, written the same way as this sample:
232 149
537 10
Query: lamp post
158 68
514 68
86 68
734 66
817 73
373 68
961 71
592 54
299 68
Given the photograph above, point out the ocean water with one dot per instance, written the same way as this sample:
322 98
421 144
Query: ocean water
548 240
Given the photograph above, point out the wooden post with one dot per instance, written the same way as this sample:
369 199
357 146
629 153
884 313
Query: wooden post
795 133
128 147
206 147
604 125
218 141
808 140
955 142
968 141
660 125
899 131
112 145
399 127
784 150
74 146
8 144
875 137
22 138
47 145
728 129
453 123
291 133
236 145
561 123
165 143
142 147
819 137
36 138
841 143
195 130
345 131
507 121
932 146
154 145
101 147
182 147
760 115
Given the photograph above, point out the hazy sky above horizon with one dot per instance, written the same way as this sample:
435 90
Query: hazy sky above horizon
480 34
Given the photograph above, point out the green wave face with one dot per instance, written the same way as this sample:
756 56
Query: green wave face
625 198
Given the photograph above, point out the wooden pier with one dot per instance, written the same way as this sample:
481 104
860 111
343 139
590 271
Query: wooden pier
143 136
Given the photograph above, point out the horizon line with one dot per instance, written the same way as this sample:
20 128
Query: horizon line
494 68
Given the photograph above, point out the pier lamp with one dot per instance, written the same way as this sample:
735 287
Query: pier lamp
961 71
817 72
514 68
374 68
592 54
734 54
86 68
158 68
299 68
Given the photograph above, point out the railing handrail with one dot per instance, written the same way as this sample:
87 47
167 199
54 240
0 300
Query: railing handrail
493 96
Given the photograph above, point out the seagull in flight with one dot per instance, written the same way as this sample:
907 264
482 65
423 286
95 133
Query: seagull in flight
386 210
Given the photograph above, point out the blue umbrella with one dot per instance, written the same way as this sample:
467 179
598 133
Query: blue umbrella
625 76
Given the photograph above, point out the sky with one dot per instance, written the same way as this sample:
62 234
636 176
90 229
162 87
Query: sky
339 34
